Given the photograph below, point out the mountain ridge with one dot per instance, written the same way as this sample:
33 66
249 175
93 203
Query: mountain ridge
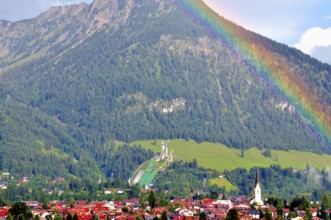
134 70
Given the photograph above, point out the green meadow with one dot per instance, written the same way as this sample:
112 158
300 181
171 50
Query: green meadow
220 157
223 182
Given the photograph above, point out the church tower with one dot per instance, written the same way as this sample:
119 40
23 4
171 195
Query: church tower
257 199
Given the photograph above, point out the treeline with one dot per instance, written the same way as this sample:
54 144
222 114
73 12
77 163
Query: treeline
180 179
282 182
186 178
183 178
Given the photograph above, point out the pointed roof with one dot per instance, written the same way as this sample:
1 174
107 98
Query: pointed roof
257 177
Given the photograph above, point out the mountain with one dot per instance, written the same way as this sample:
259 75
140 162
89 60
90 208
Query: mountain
77 78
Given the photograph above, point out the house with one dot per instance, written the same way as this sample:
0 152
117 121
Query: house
3 214
24 179
185 212
108 191
254 214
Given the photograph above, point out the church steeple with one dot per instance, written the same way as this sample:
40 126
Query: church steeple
257 199
257 177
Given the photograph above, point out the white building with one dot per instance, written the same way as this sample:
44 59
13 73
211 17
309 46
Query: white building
257 199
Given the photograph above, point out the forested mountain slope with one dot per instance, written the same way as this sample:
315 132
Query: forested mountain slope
131 70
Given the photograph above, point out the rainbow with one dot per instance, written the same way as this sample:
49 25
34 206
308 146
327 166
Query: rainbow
275 69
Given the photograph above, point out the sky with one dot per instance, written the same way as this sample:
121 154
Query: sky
304 24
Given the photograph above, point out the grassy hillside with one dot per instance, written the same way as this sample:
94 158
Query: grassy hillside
223 182
220 157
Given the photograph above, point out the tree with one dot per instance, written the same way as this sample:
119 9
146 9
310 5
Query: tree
125 209
232 214
75 217
262 215
95 217
9 217
58 217
202 216
268 215
308 215
292 215
325 201
280 212
69 216
324 206
164 215
20 217
2 203
151 199
20 208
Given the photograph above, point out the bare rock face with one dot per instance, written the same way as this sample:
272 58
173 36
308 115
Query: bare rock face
59 27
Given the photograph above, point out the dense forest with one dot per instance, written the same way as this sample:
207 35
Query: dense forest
180 179
183 178
153 71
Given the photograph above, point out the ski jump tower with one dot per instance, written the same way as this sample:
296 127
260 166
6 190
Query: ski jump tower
164 153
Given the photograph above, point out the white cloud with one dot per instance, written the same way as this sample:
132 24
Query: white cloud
314 38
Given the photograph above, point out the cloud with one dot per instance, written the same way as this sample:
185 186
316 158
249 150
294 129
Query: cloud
314 38
327 173
314 177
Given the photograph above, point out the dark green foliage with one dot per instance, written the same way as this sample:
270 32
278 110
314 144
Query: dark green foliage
9 216
95 217
280 182
164 216
75 217
280 212
69 216
308 215
121 163
2 203
267 152
202 216
300 203
59 217
20 217
183 178
151 200
20 209
268 215
325 201
325 205
125 209
232 214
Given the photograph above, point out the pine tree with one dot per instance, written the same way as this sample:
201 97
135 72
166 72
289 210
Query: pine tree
268 215
151 200
202 216
69 216
232 215
75 217
9 216
164 215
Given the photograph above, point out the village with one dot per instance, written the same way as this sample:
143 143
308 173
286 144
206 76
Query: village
132 209
176 209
